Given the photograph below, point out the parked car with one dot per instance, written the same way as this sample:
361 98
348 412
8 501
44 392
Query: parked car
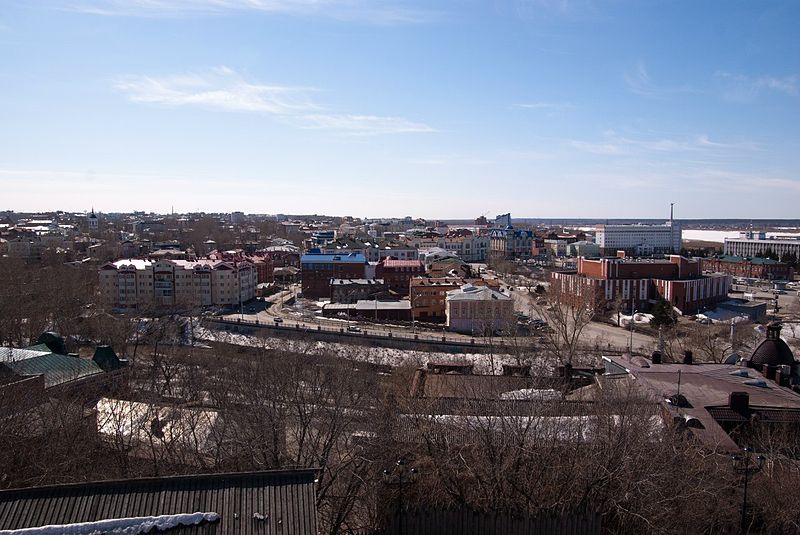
353 329
278 320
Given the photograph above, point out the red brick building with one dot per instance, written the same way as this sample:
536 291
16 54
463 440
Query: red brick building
756 268
639 283
398 273
317 271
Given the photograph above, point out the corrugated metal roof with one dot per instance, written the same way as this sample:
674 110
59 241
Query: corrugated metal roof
13 354
57 369
285 499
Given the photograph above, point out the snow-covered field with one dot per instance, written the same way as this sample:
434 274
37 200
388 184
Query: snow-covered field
374 355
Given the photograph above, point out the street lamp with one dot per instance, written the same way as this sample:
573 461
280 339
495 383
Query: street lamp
398 476
745 465
630 346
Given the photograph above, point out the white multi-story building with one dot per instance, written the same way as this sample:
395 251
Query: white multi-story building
468 246
140 284
750 244
640 239
479 310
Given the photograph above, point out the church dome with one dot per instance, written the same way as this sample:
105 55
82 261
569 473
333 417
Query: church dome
773 351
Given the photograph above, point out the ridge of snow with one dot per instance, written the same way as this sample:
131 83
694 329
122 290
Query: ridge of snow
119 526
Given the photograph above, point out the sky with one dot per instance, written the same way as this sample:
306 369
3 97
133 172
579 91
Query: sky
370 108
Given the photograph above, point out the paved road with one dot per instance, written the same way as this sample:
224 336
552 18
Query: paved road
601 334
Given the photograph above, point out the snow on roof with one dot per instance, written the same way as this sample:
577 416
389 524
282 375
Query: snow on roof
122 526
470 292
136 263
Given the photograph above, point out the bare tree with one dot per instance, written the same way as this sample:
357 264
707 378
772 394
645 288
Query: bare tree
567 314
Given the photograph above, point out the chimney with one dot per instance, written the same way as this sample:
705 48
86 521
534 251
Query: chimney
688 357
769 371
739 402
656 357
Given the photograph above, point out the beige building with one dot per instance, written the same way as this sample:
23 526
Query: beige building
138 283
479 310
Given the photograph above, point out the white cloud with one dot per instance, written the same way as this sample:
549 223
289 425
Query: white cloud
641 83
741 88
374 11
223 89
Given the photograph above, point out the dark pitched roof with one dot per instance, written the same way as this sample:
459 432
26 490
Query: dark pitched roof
285 498
773 351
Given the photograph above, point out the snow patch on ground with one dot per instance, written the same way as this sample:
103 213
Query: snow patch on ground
121 526
484 363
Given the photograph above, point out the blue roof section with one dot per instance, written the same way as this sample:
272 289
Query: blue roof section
333 258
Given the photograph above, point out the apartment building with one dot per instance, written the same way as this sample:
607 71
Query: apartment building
140 284
510 243
467 245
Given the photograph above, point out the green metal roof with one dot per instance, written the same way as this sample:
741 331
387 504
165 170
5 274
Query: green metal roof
57 369
752 260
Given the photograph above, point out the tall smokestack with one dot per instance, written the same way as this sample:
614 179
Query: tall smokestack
672 229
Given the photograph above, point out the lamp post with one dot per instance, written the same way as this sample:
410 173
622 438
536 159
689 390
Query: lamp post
745 465
399 476
630 345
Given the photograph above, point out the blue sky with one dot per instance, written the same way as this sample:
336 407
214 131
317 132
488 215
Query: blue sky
545 108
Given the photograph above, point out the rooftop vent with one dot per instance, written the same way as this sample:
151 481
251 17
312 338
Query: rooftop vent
761 383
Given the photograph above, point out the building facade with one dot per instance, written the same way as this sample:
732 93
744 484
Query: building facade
757 268
479 311
511 243
636 284
752 244
398 273
640 240
139 284
317 271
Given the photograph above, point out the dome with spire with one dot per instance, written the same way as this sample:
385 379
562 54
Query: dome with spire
773 351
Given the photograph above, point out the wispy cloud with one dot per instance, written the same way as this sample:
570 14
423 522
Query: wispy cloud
223 89
362 124
546 106
613 143
640 82
374 11
742 88
550 9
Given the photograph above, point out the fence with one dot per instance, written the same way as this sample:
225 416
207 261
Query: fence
466 522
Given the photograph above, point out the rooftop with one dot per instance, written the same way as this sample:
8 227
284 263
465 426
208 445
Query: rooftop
255 502
313 258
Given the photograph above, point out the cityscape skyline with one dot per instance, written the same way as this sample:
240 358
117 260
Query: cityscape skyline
386 108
